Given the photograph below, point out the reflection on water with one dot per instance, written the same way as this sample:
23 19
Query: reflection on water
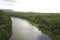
43 36
23 30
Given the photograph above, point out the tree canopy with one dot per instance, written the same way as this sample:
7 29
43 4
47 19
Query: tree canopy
5 26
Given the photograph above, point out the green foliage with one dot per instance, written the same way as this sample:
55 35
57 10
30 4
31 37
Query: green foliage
5 26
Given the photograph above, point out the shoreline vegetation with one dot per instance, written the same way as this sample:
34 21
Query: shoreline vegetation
5 26
48 23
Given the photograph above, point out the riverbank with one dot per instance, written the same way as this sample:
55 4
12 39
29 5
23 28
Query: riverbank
48 23
53 37
24 30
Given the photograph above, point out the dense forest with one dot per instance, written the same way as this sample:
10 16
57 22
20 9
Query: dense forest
5 26
48 23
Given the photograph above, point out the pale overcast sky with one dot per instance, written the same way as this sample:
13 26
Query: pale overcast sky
31 5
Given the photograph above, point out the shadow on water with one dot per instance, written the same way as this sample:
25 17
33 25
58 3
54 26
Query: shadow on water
23 30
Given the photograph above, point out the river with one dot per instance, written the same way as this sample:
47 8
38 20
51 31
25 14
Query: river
23 30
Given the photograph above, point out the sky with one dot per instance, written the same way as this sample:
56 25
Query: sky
31 5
